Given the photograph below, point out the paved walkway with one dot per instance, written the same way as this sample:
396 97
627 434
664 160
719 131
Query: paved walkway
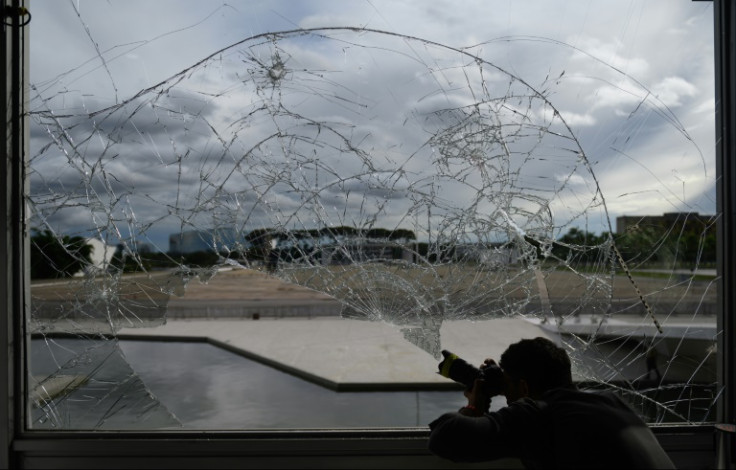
294 333
345 354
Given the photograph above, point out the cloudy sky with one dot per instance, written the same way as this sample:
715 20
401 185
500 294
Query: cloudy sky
156 117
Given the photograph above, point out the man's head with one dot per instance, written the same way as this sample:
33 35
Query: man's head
533 366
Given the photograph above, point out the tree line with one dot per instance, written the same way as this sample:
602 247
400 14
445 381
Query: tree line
62 256
685 246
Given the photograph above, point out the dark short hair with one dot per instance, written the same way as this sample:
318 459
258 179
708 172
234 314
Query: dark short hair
540 362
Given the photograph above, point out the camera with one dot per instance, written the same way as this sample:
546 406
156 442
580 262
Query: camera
463 373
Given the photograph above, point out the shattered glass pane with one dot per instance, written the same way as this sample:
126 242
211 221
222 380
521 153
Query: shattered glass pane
405 181
85 384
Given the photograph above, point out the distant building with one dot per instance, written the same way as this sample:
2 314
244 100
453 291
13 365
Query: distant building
690 220
676 239
131 248
193 241
358 252
189 242
364 251
144 248
491 255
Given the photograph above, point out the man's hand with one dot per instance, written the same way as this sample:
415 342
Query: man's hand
495 380
479 397
478 401
488 362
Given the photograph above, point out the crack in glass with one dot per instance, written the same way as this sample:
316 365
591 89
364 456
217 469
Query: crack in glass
414 182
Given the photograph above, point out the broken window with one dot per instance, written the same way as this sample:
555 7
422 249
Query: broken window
342 203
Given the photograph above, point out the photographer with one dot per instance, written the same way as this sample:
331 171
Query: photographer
547 422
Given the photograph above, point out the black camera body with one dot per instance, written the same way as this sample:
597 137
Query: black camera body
463 373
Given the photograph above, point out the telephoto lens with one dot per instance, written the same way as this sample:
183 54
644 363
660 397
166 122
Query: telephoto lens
457 369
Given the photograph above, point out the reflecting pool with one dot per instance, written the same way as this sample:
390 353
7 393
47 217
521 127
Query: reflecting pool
207 387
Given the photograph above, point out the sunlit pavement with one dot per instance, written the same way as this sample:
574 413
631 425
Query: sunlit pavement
345 354
685 345
300 331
